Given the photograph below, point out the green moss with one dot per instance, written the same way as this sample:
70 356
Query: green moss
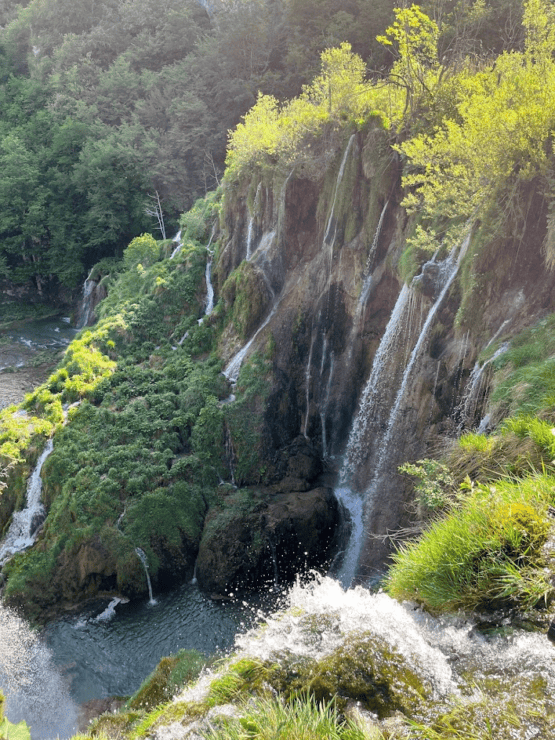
171 674
245 293
117 726
245 419
365 669
241 679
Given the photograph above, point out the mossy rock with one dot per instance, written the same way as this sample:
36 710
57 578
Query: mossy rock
364 669
242 679
114 725
171 674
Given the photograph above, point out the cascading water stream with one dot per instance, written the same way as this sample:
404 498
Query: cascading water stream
86 308
232 369
373 394
209 287
367 283
471 398
178 245
329 238
23 529
307 385
144 560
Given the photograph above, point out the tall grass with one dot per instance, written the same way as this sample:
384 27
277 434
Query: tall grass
486 554
300 719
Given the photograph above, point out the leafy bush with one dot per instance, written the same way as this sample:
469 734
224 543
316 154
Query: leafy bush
143 250
435 482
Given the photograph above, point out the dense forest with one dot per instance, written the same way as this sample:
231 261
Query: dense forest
114 112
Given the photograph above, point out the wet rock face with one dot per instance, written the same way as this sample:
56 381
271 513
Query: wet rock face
280 536
337 253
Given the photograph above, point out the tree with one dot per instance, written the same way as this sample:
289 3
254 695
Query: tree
413 38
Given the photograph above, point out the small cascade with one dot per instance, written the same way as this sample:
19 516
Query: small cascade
142 557
178 245
366 287
307 385
209 305
250 229
209 287
194 580
25 523
474 392
329 236
86 309
372 252
452 267
324 408
110 610
231 372
375 386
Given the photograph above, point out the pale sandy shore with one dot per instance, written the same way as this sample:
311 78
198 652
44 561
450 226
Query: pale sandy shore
14 386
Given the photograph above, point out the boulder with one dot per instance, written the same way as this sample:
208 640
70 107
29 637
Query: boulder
267 542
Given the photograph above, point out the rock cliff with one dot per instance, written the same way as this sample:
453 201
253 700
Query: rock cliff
371 372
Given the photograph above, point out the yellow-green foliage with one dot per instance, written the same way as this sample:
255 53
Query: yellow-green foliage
242 678
301 719
170 674
498 134
142 249
271 131
17 432
9 731
486 554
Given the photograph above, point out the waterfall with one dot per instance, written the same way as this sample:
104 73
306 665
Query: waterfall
23 529
307 385
209 288
86 309
231 371
324 408
178 245
209 305
250 229
382 417
144 561
366 287
331 224
375 385
371 253
468 406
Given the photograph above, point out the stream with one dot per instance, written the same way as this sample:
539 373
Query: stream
28 353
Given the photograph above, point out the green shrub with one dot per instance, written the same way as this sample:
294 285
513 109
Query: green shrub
435 486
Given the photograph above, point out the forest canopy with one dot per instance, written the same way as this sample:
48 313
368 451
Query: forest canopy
107 104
